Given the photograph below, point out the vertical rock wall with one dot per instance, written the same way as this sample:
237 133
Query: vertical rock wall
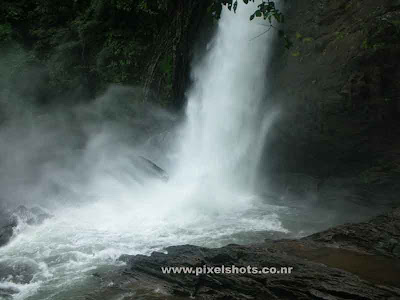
339 88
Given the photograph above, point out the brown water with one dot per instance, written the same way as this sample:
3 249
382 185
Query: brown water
376 269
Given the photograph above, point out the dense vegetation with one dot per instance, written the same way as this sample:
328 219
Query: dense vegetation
89 44
92 43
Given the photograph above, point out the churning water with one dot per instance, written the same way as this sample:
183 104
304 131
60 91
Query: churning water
209 199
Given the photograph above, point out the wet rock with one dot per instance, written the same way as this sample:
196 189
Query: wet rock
33 216
6 233
153 169
4 215
21 215
19 272
352 261
7 293
380 236
14 272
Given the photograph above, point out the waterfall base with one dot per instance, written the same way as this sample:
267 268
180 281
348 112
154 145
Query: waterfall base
346 262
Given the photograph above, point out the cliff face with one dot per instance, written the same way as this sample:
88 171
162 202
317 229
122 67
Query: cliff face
339 88
92 43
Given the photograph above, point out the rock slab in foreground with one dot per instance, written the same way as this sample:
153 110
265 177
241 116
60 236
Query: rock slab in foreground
353 261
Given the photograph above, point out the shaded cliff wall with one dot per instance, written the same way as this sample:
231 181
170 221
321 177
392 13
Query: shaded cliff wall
88 44
339 90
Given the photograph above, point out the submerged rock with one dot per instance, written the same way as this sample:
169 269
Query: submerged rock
153 169
20 271
7 293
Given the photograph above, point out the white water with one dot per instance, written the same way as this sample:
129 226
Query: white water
223 135
209 199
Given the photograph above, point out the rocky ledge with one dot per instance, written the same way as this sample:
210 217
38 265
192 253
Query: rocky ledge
351 261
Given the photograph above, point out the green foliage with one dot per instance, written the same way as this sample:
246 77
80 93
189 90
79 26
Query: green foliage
386 33
266 10
123 54
296 53
166 67
109 41
340 35
367 45
5 32
125 5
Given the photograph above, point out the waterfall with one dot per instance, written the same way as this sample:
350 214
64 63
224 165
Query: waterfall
209 199
226 123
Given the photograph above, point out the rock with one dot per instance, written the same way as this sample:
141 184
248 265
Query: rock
308 280
352 261
6 233
380 236
20 271
153 169
33 217
17 272
4 215
343 124
7 293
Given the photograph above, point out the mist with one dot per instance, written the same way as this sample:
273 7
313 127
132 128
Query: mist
123 176
66 149
49 153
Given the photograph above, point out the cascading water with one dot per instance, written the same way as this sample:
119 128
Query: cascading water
208 200
223 133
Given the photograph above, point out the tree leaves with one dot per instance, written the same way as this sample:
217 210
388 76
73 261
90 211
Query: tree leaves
266 10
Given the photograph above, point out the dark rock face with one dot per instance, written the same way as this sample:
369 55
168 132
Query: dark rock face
339 91
33 216
380 236
353 261
6 233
